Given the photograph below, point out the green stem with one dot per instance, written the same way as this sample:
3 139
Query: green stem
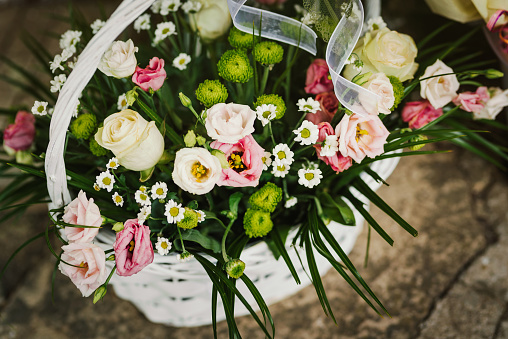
240 93
181 239
224 254
178 31
110 276
264 80
271 133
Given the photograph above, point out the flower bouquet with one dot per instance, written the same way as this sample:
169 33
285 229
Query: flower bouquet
203 139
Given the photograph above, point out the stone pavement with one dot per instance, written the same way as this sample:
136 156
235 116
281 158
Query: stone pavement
449 282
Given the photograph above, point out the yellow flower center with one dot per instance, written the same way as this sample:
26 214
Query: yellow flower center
164 245
199 171
360 132
40 109
159 191
112 164
308 107
131 246
266 114
182 61
96 187
142 189
106 181
83 265
143 196
165 31
309 176
235 162
305 133
118 199
281 168
281 154
174 211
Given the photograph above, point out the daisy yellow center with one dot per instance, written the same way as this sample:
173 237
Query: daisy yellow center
309 107
309 176
96 187
142 189
281 155
159 191
235 162
112 164
131 246
164 245
118 199
174 211
165 31
281 168
199 171
266 114
40 109
305 133
263 159
360 132
182 61
106 181
124 102
143 196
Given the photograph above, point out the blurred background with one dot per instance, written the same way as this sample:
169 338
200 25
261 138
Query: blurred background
449 282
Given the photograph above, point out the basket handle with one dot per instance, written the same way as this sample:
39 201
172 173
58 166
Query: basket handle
85 68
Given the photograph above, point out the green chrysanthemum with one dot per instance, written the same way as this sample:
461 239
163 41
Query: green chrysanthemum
268 53
257 223
275 100
97 149
211 92
190 219
239 39
235 268
84 126
398 91
417 138
266 198
234 66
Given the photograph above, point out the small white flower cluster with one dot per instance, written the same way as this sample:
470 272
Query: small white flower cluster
376 23
69 40
105 180
163 30
122 102
355 61
308 106
266 113
164 7
142 23
163 245
330 146
191 6
267 160
97 25
181 61
40 108
57 83
283 158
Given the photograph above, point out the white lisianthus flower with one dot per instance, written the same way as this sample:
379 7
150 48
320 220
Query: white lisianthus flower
163 30
57 83
69 40
439 90
266 113
40 108
159 190
229 123
137 143
174 212
97 25
163 245
105 180
181 61
330 146
267 160
309 106
117 199
378 84
280 170
309 177
119 60
142 23
122 102
498 100
283 155
307 134
212 20
196 170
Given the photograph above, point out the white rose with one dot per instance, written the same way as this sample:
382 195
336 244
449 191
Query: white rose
229 123
385 51
379 84
119 60
136 143
498 100
439 90
212 20
196 170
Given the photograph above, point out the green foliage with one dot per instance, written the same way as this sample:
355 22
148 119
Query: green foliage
398 91
190 219
97 149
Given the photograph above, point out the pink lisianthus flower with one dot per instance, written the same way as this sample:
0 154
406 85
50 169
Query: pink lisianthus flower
419 113
473 101
20 135
318 80
329 105
361 136
152 76
245 160
133 248
82 211
91 260
337 162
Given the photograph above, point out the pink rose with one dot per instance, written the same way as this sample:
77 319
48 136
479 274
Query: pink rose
133 248
473 101
420 113
245 161
318 80
91 260
337 162
82 211
20 135
329 105
152 76
361 136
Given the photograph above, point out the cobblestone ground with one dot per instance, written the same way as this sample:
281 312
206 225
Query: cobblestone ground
449 282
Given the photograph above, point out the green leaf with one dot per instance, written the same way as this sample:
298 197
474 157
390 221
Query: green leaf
234 200
435 33
279 244
331 206
40 235
205 241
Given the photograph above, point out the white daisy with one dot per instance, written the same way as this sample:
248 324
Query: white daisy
163 245
97 25
191 6
174 211
112 163
181 61
185 256
266 113
307 134
375 23
143 188
164 29
309 106
168 6
291 202
267 160
72 64
283 155
142 198
57 83
56 63
142 23
122 102
280 170
144 213
330 146
117 199
40 108
69 40
159 190
156 6
105 180
201 215
309 177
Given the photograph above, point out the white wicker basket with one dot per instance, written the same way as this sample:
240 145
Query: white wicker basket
168 291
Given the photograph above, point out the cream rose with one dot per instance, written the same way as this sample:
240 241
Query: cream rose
136 143
229 123
196 170
498 100
386 51
119 60
213 20
439 90
379 84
